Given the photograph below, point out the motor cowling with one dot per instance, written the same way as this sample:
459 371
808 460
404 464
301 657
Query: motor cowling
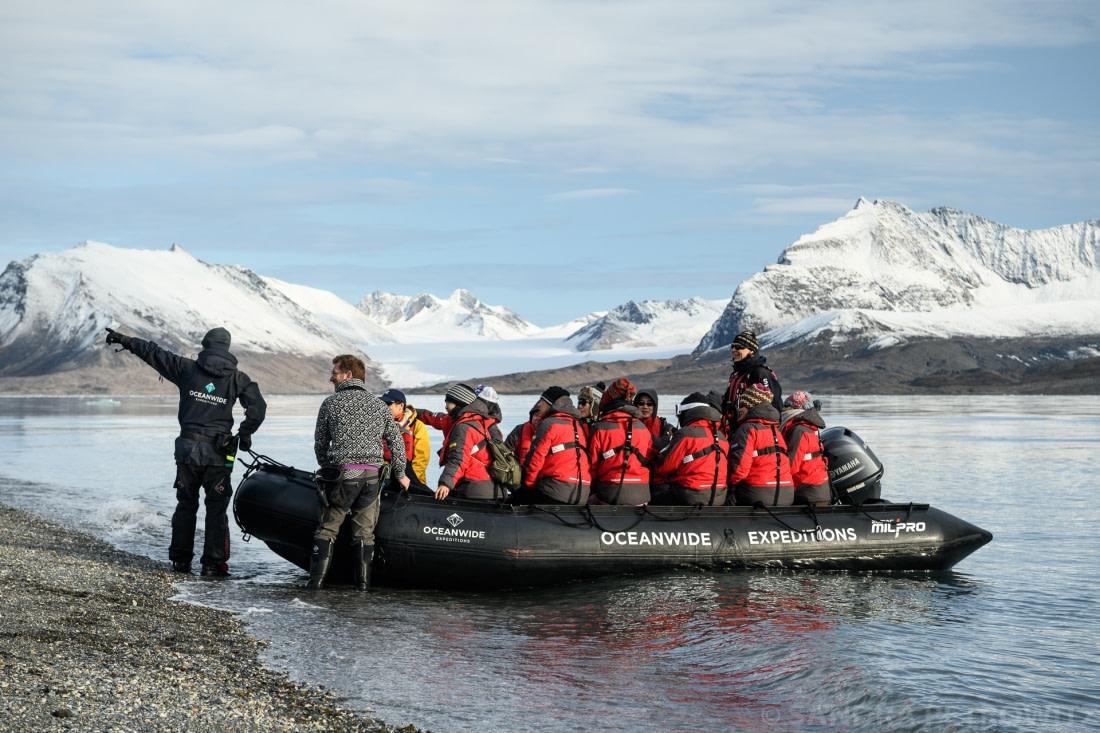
855 472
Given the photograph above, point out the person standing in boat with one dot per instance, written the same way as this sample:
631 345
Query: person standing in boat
205 450
749 368
800 423
694 463
620 448
418 447
659 428
556 468
465 453
347 441
760 470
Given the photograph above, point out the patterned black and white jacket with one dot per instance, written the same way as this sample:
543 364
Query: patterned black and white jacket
351 426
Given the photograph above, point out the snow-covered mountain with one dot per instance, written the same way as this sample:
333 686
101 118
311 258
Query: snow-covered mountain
459 317
667 323
54 306
884 273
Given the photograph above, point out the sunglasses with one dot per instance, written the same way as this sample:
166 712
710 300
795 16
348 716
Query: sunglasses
584 402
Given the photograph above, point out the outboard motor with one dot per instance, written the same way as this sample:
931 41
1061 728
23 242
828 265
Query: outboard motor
854 470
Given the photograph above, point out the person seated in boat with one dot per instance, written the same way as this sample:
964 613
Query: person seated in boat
588 401
555 469
694 463
800 422
659 428
465 454
760 470
620 448
492 399
418 447
443 421
519 440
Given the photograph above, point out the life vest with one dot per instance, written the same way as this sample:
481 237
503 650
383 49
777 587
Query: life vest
466 457
620 449
696 458
758 452
558 455
808 463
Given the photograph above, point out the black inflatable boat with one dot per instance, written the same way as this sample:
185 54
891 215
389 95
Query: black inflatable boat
456 543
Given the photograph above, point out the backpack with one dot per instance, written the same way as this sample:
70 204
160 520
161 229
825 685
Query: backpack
504 468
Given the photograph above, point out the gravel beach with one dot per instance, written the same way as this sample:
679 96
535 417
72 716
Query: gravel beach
89 641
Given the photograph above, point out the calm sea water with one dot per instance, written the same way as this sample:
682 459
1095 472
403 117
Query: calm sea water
1009 641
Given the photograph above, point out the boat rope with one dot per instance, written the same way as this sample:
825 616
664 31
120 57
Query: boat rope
695 508
585 524
761 505
597 525
259 461
894 520
813 516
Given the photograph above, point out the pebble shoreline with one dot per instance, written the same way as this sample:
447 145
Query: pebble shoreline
89 641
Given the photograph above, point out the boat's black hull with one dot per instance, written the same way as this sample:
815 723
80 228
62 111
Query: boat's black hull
466 544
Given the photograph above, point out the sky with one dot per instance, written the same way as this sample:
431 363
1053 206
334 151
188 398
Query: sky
555 157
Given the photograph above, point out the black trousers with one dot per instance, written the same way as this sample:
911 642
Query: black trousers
218 489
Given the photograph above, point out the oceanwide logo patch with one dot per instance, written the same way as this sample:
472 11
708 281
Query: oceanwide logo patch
209 388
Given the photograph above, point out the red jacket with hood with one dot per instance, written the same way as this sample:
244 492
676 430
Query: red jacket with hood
758 453
607 447
696 457
808 467
519 440
465 454
557 462
659 428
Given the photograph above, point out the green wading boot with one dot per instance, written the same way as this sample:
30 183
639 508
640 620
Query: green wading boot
319 562
362 557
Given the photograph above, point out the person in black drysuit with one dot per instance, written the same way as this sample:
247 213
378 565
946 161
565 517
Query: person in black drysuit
205 449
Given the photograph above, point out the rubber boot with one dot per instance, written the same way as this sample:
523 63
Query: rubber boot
319 562
362 558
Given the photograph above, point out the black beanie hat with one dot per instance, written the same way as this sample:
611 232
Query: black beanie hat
461 394
217 338
553 394
746 340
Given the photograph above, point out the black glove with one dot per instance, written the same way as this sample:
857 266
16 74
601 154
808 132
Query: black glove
245 441
114 337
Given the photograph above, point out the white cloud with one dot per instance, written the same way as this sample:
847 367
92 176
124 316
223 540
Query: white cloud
592 193
698 88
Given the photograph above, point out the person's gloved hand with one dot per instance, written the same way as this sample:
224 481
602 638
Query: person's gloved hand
114 337
245 441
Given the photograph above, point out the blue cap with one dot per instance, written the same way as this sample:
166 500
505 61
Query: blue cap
393 395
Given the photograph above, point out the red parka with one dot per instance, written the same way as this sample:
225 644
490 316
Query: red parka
696 457
444 422
466 455
557 463
758 453
612 462
808 467
519 440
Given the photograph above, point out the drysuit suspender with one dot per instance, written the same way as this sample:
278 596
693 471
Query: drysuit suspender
778 464
717 456
577 453
628 449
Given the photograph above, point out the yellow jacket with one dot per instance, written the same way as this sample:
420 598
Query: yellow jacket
422 445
